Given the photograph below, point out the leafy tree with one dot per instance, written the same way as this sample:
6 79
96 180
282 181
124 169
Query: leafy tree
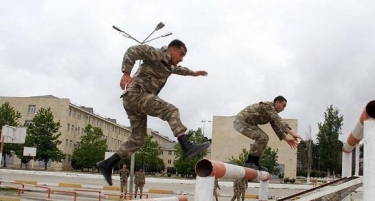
186 168
269 160
91 149
43 134
328 139
10 117
241 158
147 157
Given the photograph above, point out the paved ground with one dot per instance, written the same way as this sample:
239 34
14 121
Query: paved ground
155 187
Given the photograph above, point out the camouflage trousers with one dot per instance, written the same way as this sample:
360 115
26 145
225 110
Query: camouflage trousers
138 105
238 195
140 186
124 186
255 133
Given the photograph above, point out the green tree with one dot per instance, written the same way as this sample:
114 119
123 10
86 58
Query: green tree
187 168
91 149
241 158
147 157
43 134
10 117
328 139
269 160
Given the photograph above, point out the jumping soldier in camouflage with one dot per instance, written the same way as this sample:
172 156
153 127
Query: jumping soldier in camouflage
124 175
250 117
239 189
140 99
139 182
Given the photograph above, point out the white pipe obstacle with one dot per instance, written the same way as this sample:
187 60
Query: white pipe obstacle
176 198
208 170
369 161
354 138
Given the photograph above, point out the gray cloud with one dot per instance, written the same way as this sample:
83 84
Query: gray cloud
314 53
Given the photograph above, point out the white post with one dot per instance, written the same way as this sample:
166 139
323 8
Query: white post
204 188
263 190
369 160
356 172
346 168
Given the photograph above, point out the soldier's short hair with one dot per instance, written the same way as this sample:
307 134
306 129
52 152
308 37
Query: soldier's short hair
279 98
178 44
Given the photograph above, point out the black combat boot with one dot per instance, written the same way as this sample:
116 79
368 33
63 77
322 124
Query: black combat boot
191 150
106 166
250 162
261 168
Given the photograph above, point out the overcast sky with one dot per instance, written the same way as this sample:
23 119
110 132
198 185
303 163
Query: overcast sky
315 53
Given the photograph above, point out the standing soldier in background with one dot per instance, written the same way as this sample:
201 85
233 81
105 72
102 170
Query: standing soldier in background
139 182
239 189
250 117
124 175
140 99
215 188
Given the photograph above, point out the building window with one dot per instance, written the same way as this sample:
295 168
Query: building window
70 143
31 109
74 113
169 161
70 112
66 142
68 129
72 128
29 123
169 152
79 116
79 130
82 131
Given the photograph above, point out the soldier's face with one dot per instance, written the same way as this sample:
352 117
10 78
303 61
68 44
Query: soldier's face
177 55
280 106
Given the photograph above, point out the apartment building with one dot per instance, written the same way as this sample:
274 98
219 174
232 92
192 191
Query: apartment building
73 120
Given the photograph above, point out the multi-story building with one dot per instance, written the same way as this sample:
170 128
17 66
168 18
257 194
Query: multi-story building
73 120
227 142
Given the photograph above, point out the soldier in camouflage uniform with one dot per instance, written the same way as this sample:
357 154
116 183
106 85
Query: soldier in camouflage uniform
124 175
139 182
249 118
239 189
140 99
216 186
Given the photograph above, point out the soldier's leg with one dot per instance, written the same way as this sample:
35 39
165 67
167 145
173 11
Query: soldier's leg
243 195
238 195
155 106
134 142
135 191
138 122
233 197
125 187
140 191
122 187
260 142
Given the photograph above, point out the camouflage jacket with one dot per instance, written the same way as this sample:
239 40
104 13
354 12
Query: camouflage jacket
152 75
124 174
263 113
139 178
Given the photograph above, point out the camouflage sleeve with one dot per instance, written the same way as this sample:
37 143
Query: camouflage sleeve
276 122
179 70
138 52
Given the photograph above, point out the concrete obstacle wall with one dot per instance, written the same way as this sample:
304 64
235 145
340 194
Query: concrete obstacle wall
208 170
